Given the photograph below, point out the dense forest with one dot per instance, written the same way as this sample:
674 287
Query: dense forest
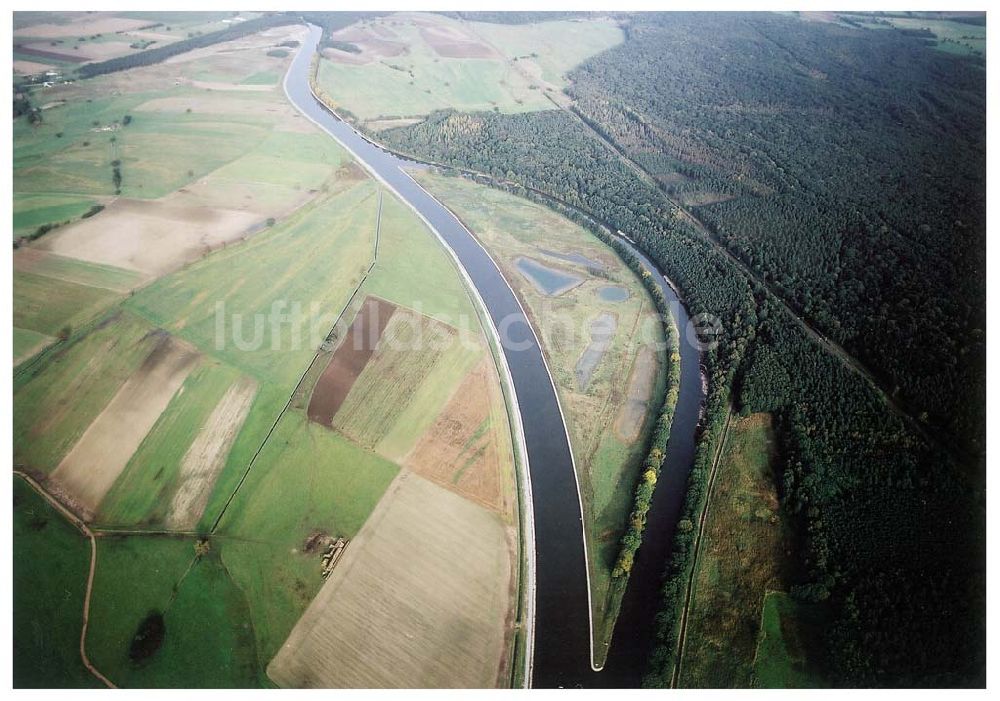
846 168
838 222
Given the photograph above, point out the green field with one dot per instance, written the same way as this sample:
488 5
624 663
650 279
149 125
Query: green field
414 270
47 305
27 342
511 69
32 211
790 632
206 637
742 557
51 559
607 464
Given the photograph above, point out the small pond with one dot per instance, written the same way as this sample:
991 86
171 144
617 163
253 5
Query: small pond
612 293
548 281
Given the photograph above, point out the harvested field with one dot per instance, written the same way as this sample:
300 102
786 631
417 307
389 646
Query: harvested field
85 26
31 67
86 474
468 446
408 353
451 42
640 389
152 237
206 457
432 573
349 359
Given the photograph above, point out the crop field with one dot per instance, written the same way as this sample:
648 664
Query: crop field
91 371
172 471
349 359
99 456
466 447
439 625
415 356
413 63
742 557
90 36
607 463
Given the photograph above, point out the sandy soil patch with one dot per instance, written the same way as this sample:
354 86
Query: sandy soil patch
152 237
431 572
640 390
460 451
31 67
90 469
85 26
105 50
207 455
349 359
453 43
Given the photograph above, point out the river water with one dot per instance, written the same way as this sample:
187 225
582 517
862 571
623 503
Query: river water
562 620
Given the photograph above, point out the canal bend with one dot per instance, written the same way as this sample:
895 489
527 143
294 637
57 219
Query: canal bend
562 626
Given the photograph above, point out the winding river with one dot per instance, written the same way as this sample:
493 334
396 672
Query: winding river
562 628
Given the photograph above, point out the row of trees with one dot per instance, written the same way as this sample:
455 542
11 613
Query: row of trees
159 54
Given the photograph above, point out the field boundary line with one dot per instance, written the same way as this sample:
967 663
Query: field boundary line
528 514
288 402
702 520
83 528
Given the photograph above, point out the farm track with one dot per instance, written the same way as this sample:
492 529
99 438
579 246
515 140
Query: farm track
291 396
898 406
702 520
83 528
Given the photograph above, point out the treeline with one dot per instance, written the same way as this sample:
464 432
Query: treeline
643 496
859 481
162 53
849 169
